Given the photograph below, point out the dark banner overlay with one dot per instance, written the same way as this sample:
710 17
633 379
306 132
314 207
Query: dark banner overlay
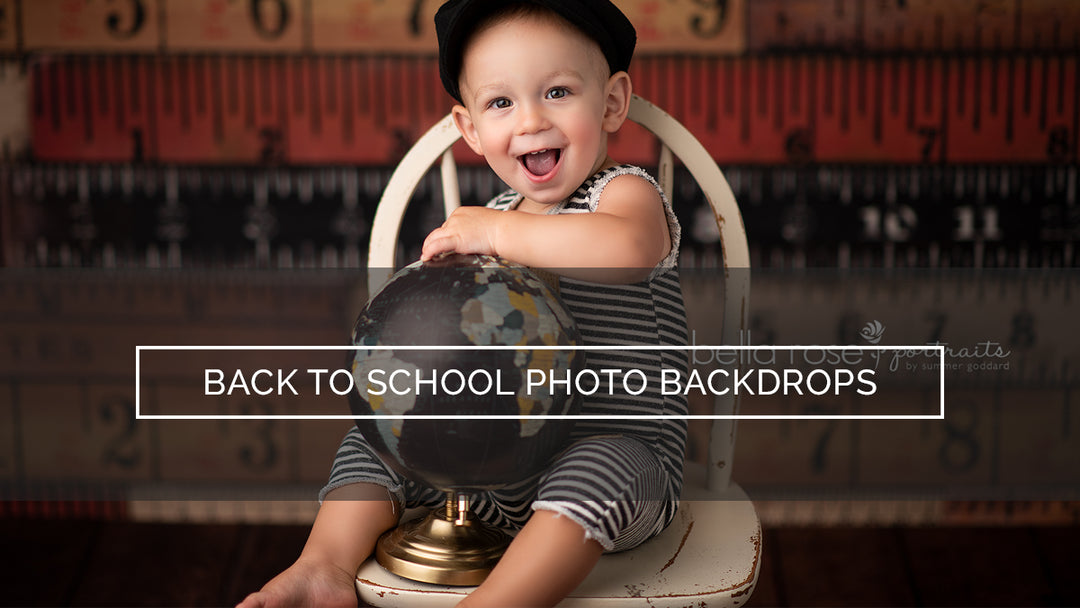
857 384
217 382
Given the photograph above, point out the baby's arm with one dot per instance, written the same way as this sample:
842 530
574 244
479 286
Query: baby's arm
546 561
628 231
349 521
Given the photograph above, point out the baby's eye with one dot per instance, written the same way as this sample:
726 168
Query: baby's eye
499 103
558 93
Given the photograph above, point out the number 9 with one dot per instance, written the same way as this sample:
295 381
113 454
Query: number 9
138 19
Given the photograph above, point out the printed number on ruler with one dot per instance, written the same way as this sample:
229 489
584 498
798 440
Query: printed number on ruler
893 454
77 25
81 431
223 450
696 26
230 25
190 25
1008 417
331 26
66 350
709 26
795 453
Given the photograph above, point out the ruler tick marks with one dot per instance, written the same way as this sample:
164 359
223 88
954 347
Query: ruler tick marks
101 83
201 88
348 103
119 77
995 78
879 100
87 106
828 88
216 90
727 102
168 82
778 94
845 95
265 86
1043 100
232 85
330 65
416 84
315 113
186 90
977 97
69 71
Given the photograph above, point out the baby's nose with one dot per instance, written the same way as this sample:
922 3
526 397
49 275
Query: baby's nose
531 119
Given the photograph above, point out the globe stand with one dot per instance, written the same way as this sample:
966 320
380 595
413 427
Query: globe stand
447 547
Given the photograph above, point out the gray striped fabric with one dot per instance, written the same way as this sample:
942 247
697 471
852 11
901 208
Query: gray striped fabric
620 478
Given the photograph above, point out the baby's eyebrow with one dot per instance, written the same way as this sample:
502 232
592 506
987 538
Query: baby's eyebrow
563 73
487 89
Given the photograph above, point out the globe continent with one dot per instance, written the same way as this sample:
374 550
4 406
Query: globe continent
465 301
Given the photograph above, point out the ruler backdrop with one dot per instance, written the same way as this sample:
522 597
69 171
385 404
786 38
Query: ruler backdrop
200 171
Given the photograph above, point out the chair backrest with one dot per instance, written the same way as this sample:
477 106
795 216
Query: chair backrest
675 142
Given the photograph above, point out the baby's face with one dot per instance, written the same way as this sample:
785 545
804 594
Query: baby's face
535 90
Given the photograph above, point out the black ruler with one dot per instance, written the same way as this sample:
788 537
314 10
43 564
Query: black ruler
831 216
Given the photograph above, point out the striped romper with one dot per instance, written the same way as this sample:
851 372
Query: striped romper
619 479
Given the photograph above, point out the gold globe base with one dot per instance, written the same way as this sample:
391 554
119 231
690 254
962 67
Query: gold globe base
448 547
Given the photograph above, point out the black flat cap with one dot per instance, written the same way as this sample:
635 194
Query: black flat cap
600 20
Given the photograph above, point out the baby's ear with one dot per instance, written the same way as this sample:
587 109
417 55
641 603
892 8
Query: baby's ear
617 102
465 125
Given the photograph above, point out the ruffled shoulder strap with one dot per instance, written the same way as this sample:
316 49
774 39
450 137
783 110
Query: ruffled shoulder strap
603 178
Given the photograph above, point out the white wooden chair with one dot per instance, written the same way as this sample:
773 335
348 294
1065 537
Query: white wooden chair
710 555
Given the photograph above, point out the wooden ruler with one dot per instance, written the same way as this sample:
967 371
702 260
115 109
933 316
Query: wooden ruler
914 25
368 110
314 26
67 402
66 412
125 216
664 26
1009 420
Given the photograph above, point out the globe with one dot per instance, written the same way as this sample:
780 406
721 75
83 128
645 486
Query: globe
445 309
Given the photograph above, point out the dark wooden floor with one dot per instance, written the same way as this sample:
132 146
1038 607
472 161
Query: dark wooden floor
53 562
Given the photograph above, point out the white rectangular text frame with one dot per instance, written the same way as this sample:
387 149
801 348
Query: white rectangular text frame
185 347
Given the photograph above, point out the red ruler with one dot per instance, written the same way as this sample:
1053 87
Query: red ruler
368 110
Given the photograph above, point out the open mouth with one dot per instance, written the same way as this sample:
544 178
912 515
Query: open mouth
542 162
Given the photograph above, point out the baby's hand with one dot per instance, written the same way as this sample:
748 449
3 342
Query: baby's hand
467 230
306 583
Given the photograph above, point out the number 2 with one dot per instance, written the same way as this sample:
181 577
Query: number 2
121 450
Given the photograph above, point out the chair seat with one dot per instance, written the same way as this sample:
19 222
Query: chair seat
708 556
